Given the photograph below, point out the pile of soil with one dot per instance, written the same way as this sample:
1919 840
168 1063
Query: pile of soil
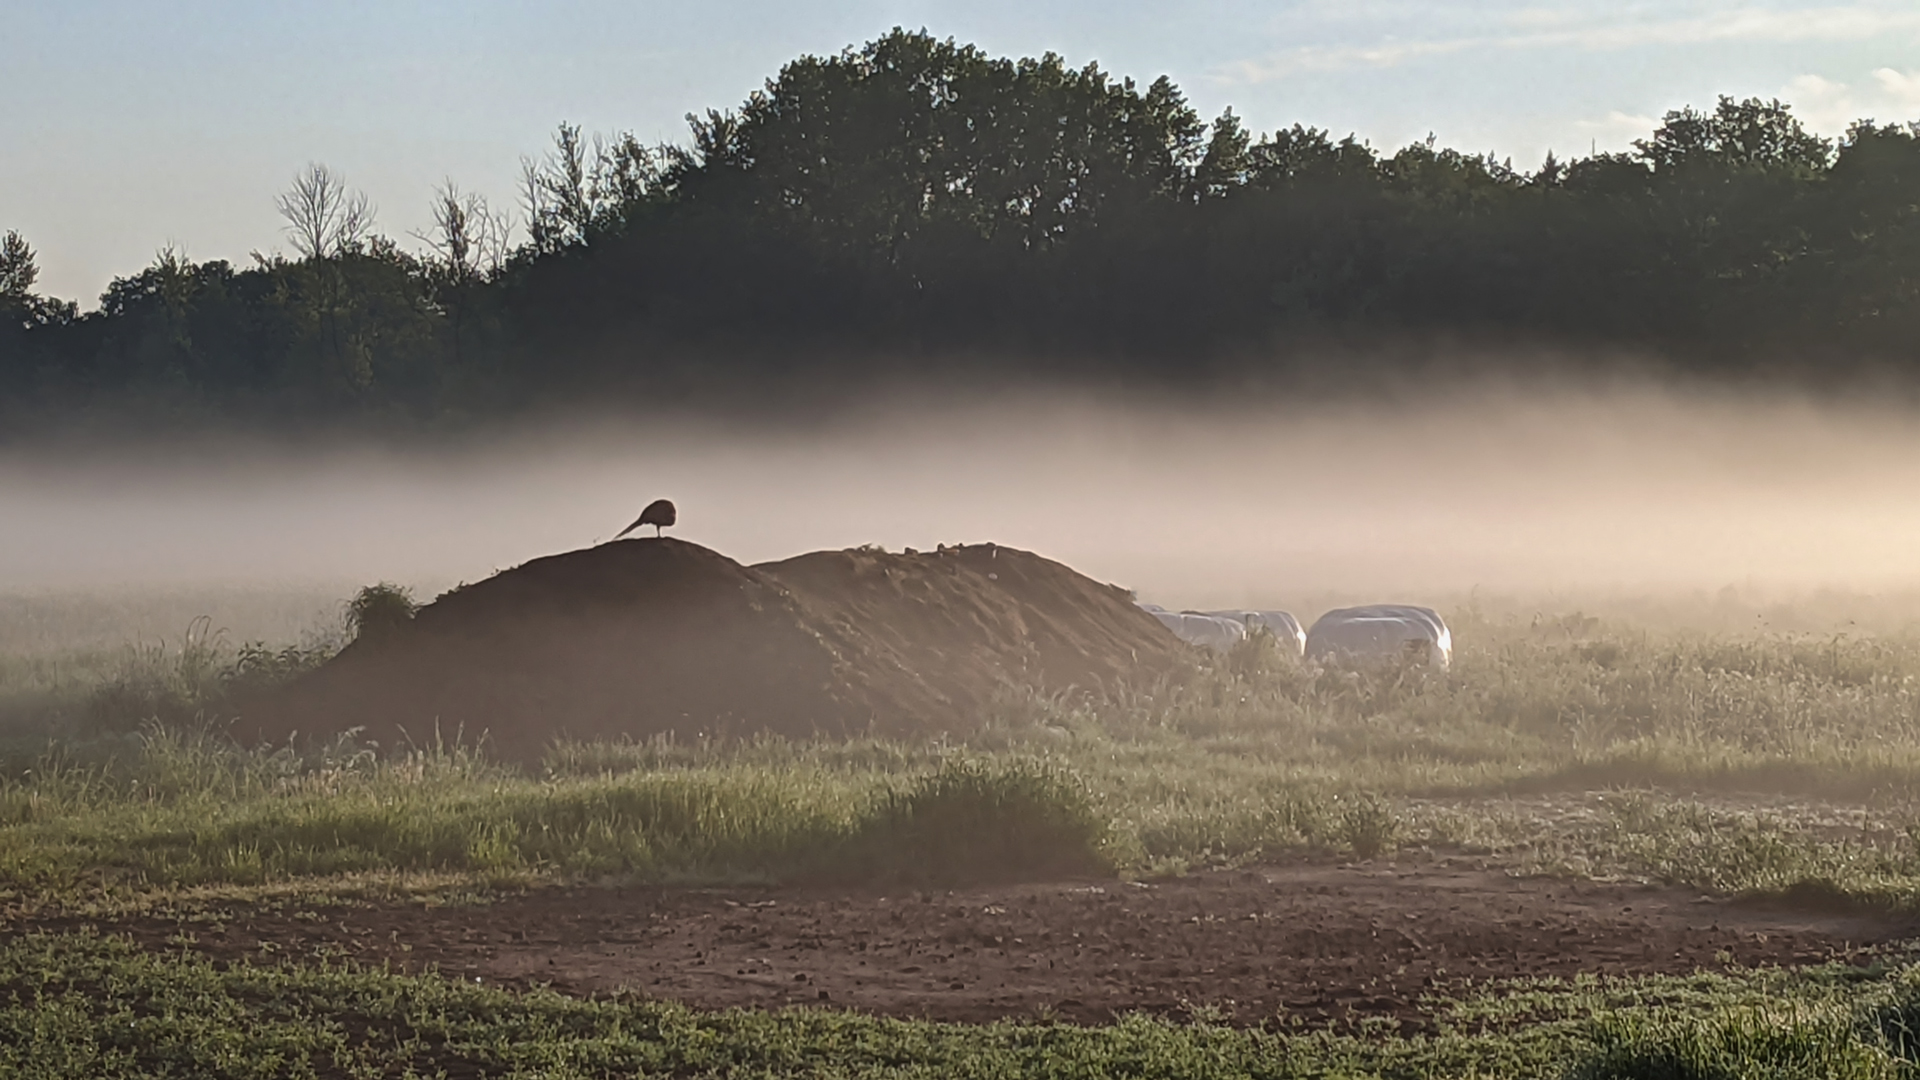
649 636
938 633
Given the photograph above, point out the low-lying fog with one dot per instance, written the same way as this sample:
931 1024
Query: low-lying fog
1510 493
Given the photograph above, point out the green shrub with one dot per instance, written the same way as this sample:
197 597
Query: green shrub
377 611
973 821
257 667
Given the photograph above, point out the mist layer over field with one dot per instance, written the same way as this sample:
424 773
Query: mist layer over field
1512 493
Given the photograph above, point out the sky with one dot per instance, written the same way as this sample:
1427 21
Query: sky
135 125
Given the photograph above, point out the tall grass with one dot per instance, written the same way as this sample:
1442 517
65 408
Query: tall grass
186 811
1511 754
973 820
1784 1042
198 678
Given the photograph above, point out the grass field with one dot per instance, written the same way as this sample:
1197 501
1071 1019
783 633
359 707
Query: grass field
84 1005
1733 763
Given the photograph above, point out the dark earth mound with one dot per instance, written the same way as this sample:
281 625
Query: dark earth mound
649 636
938 633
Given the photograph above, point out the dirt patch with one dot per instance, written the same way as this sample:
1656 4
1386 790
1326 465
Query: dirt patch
641 637
1325 944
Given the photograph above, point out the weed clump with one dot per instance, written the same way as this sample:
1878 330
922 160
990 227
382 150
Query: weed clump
974 821
378 611
1369 826
199 683
154 684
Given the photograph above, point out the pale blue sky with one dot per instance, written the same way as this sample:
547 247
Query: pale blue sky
131 124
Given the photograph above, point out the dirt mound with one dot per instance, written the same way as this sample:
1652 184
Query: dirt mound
632 637
952 626
640 637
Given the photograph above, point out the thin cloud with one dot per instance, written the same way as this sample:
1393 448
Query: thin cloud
1315 58
1828 106
1547 29
1617 129
1821 103
1901 88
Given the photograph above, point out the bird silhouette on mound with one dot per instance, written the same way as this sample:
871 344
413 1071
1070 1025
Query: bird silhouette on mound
659 514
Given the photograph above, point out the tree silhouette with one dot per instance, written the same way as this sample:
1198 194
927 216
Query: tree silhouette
470 238
18 268
916 208
324 219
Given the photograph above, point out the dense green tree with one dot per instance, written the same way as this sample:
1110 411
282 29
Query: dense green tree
18 269
20 306
917 208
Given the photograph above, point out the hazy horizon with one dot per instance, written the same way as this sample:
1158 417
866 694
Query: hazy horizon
1635 490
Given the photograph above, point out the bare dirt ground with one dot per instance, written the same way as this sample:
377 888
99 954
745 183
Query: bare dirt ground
1323 943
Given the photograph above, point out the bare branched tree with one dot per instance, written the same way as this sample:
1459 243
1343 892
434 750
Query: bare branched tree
324 219
470 237
493 236
533 205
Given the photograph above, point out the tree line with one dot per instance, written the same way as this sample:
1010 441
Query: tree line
916 208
